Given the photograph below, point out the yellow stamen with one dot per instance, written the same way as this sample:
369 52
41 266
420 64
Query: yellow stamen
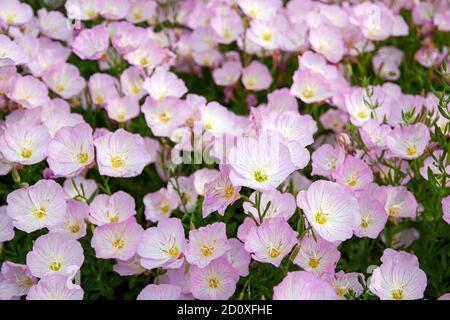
26 153
118 244
321 218
83 158
164 117
411 150
314 263
55 266
213 283
75 228
40 213
274 252
173 252
116 162
207 250
229 192
398 294
260 176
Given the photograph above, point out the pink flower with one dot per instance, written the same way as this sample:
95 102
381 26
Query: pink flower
163 246
271 241
132 81
327 40
353 173
409 142
55 287
331 210
302 285
228 25
79 188
83 9
165 116
103 88
130 267
219 193
268 33
121 154
334 120
374 135
160 292
446 209
71 151
228 74
164 84
74 223
343 282
326 159
282 205
282 100
29 92
319 257
262 163
399 277
310 87
148 55
40 205
55 253
11 53
142 10
256 76
15 280
239 257
260 9
25 144
122 109
54 24
15 12
387 61
373 216
56 115
64 80
117 240
202 177
218 120
6 226
91 44
216 281
206 244
398 202
105 209
160 204
115 9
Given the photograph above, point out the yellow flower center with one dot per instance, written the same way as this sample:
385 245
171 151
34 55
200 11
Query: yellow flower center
91 13
352 181
116 162
137 16
121 116
113 219
83 158
260 176
340 292
274 252
10 19
307 93
164 117
118 243
251 82
411 150
40 212
75 228
314 263
99 100
143 61
364 223
136 90
208 126
213 283
173 252
398 294
55 266
26 153
362 115
394 210
321 218
229 192
267 37
59 88
207 250
165 208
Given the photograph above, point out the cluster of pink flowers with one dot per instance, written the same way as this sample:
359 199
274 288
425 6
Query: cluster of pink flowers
349 193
